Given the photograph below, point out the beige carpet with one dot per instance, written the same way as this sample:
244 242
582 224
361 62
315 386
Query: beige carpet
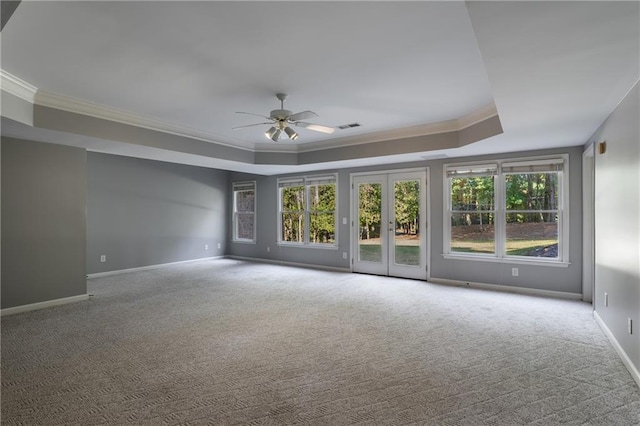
230 342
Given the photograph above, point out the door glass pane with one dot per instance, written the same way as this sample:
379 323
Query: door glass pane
369 219
407 222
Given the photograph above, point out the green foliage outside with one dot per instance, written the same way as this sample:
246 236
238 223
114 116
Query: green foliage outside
407 208
321 212
531 204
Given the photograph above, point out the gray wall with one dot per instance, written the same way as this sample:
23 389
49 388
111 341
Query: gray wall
617 224
43 222
143 212
531 276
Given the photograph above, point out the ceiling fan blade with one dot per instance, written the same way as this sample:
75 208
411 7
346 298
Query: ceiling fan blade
315 127
302 115
257 115
251 125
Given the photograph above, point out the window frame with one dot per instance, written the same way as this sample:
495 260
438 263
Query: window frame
307 182
500 235
241 187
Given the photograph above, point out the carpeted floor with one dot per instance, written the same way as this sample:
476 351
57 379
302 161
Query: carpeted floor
231 342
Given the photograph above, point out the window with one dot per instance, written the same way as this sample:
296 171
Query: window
472 209
532 218
507 210
244 212
308 210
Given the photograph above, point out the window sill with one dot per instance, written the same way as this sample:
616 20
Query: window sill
244 241
516 260
315 246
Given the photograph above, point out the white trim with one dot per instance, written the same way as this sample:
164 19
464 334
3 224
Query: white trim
91 109
588 228
520 260
475 117
307 181
145 268
234 227
17 87
500 212
283 263
385 177
508 289
633 370
42 305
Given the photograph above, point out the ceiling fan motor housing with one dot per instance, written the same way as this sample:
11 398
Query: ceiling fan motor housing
280 114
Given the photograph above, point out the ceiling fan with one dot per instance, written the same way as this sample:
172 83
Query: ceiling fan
281 119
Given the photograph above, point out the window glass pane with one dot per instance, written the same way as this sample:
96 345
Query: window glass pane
532 234
369 218
473 233
322 197
532 191
244 196
293 199
293 227
245 200
406 213
244 223
472 193
322 228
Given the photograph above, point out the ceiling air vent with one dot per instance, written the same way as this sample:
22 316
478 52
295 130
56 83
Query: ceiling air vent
348 126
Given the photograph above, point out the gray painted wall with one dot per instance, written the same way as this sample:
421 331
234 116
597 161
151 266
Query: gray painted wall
531 276
617 224
143 212
43 222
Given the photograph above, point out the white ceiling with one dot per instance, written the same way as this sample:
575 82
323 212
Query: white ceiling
554 70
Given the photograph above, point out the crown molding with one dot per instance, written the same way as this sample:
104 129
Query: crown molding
17 87
91 109
477 116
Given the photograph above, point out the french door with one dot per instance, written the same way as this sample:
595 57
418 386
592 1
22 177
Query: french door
389 224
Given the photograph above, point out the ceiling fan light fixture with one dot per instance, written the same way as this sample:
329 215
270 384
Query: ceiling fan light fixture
269 133
276 135
291 133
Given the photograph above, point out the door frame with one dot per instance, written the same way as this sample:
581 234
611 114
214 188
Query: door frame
588 225
353 245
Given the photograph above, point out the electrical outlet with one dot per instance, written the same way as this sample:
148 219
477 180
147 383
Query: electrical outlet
606 299
268 249
103 258
630 325
206 246
514 272
344 254
219 246
344 222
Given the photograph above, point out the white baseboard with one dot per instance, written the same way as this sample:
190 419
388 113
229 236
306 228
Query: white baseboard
508 289
633 370
299 265
145 268
42 305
